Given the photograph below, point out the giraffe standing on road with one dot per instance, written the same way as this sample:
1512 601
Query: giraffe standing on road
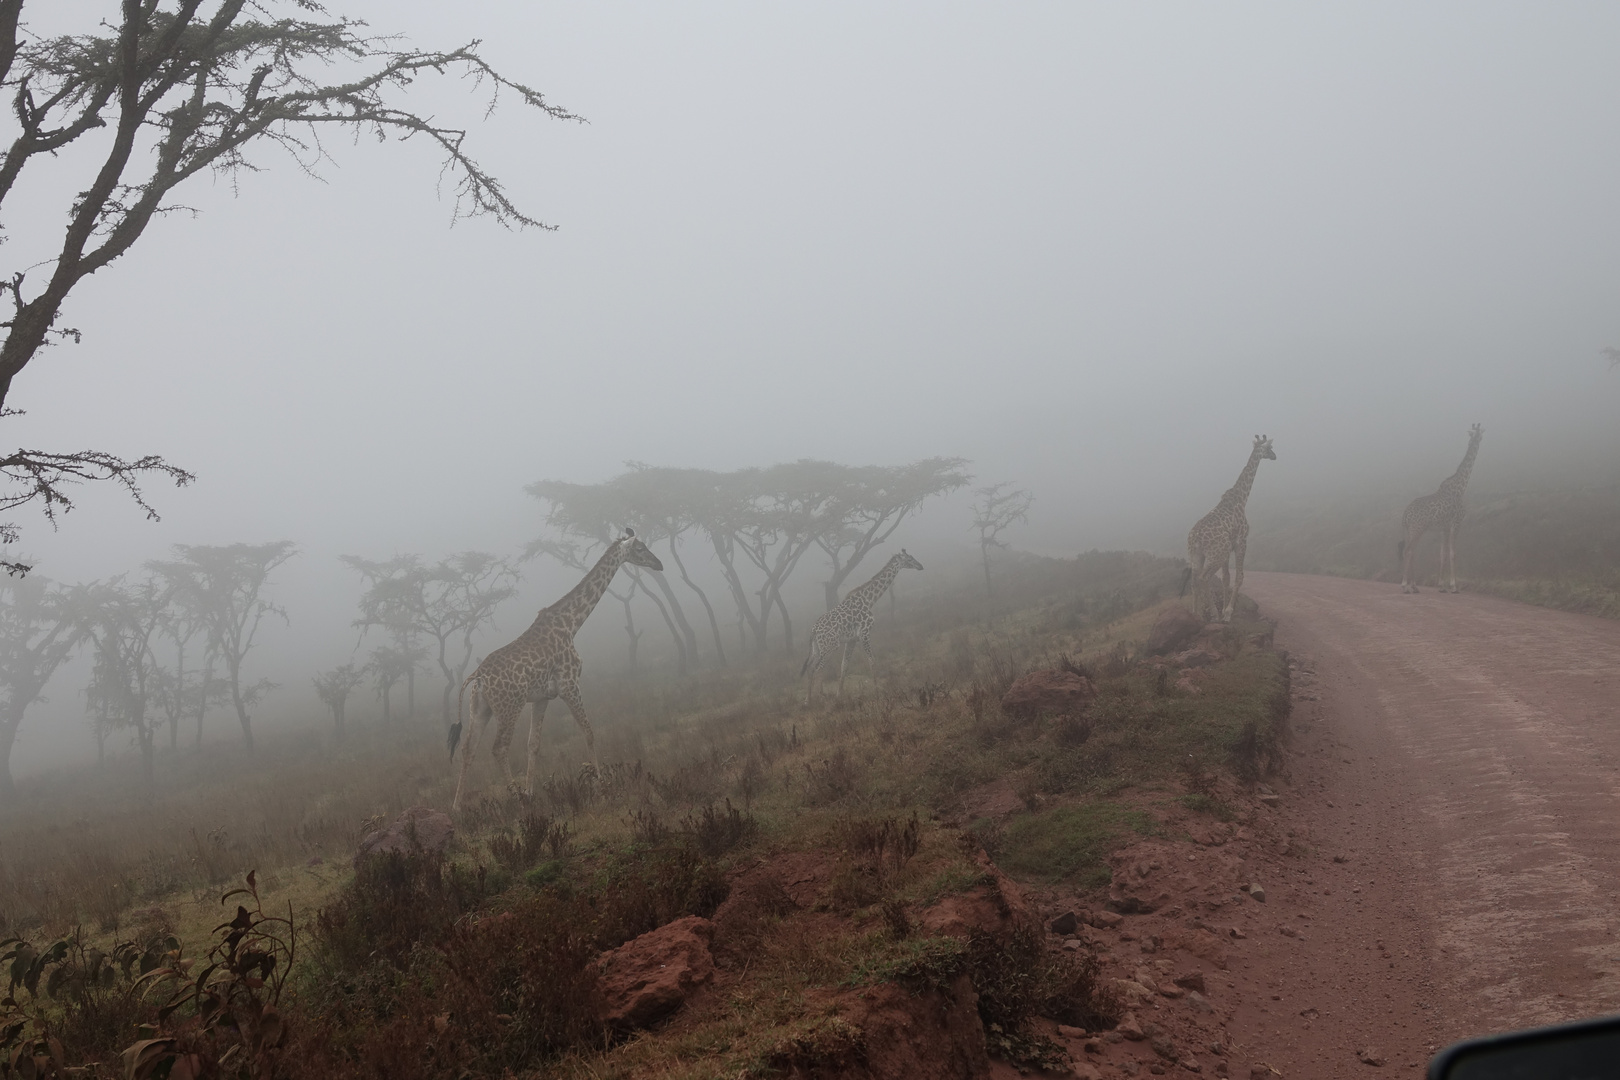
851 619
540 665
1222 536
1442 510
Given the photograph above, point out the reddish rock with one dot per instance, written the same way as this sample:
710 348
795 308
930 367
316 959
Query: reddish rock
1196 658
1051 693
1174 627
417 829
649 977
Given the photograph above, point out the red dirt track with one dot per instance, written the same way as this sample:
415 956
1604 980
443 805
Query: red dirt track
1462 755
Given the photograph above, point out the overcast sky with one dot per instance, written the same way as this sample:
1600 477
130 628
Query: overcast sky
1094 248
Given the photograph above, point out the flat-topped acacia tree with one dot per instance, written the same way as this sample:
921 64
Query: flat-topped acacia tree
154 93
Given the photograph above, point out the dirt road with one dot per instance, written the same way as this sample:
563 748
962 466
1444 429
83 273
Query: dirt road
1461 754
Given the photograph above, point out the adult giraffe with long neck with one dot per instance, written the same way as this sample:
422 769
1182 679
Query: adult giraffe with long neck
1443 510
1221 537
539 665
851 618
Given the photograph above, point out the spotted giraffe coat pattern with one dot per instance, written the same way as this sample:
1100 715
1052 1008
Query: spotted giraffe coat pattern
539 665
1220 539
849 620
1443 511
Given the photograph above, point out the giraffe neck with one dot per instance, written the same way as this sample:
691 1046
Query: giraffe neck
1238 494
867 594
1458 480
573 609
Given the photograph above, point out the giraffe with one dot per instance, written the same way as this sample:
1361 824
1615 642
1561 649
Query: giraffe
851 619
1443 510
539 665
1222 535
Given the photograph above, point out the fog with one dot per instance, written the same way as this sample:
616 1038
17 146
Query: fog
1093 249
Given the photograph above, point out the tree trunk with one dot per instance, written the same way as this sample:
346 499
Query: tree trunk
242 716
387 710
787 624
680 644
832 593
146 739
714 624
410 693
202 702
689 634
179 699
8 737
739 595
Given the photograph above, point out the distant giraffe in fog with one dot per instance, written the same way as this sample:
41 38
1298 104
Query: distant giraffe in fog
1443 510
539 665
851 618
1221 536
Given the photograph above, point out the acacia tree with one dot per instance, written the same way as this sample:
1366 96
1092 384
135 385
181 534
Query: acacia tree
870 504
228 586
122 619
333 688
387 666
40 627
996 508
183 621
591 515
163 92
447 602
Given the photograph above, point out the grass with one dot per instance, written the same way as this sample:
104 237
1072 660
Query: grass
1069 843
415 966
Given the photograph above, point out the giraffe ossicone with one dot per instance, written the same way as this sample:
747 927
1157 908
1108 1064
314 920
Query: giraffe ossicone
851 618
1220 538
1443 510
539 665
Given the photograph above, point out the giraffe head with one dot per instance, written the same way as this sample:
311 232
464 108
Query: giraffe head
1475 433
638 554
906 561
1262 446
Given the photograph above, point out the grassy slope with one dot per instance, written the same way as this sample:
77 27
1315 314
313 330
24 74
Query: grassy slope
919 736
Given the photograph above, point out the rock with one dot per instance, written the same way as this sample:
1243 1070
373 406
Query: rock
1048 693
1370 1056
651 976
1130 1027
1199 1001
1162 1046
1145 977
1193 981
1269 798
1106 920
1262 1072
1235 932
1196 658
1288 931
1085 1071
1064 923
418 829
1257 892
1128 902
1187 686
1174 627
1171 992
1132 991
1190 1064
1074 944
1069 1031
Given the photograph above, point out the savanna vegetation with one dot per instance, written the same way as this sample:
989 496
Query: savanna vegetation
480 961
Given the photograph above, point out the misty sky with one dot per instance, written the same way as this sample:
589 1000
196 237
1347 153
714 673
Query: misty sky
1092 248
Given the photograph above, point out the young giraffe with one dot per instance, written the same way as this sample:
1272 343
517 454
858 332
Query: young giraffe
1443 509
850 619
1221 535
540 665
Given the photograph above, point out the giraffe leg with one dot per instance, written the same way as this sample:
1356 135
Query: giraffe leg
475 726
817 655
843 665
537 717
569 692
1237 579
1223 607
1409 564
505 728
1451 557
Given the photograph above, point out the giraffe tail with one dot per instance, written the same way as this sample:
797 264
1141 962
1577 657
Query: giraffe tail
1186 576
454 738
